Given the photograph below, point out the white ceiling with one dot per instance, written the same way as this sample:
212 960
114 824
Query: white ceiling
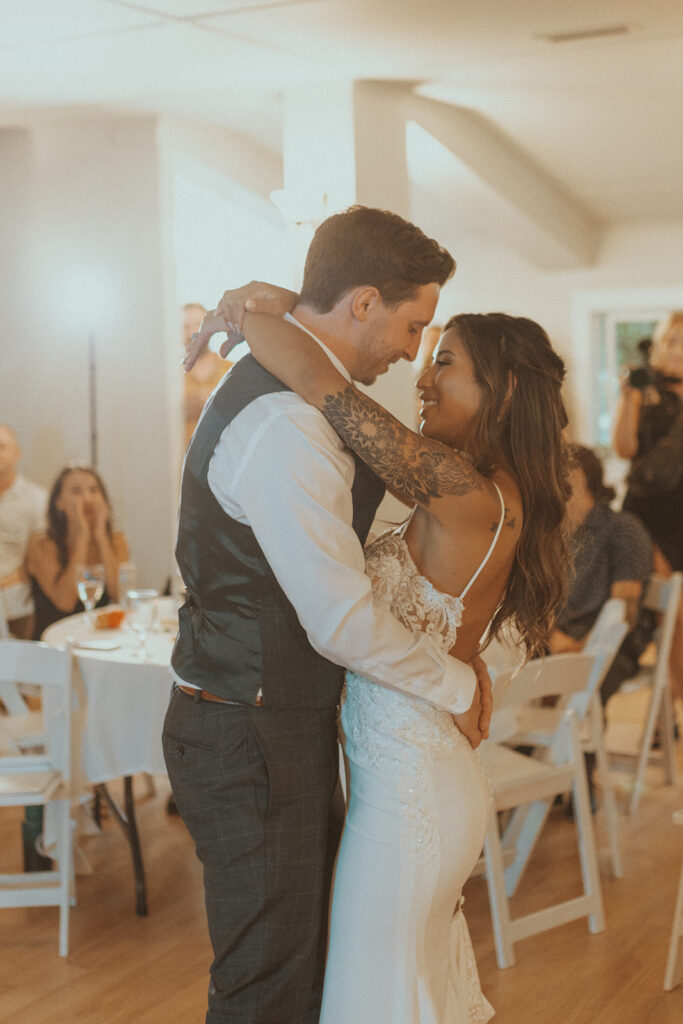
602 116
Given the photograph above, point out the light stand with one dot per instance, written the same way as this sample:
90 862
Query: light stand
92 394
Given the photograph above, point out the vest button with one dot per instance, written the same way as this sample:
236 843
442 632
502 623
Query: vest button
180 749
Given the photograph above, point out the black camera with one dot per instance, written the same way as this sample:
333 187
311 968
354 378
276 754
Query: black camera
641 377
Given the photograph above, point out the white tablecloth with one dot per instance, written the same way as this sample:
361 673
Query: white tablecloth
125 698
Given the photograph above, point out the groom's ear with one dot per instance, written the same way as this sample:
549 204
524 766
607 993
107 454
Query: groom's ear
364 301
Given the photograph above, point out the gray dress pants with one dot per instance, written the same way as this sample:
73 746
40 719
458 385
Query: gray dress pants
259 792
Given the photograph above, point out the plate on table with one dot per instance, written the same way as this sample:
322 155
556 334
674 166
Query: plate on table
94 645
74 631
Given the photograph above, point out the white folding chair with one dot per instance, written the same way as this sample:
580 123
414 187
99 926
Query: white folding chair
502 654
519 780
41 779
22 722
537 725
613 610
628 741
16 602
604 644
670 980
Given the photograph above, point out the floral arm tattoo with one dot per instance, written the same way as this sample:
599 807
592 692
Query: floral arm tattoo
415 468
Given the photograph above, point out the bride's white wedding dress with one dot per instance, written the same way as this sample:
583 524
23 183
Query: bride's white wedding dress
400 951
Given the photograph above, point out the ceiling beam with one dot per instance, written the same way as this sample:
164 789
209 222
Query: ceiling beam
565 235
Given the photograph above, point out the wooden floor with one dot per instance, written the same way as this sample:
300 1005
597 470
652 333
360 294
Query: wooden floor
123 969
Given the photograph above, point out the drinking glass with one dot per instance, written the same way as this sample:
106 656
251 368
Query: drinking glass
90 580
128 578
141 614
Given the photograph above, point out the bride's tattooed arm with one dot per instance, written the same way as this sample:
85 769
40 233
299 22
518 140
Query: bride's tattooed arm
415 468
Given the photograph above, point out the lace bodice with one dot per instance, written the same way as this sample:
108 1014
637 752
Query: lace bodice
373 714
410 597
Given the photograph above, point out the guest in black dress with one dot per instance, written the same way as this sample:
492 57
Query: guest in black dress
79 532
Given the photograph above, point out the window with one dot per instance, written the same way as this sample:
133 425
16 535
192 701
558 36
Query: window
618 338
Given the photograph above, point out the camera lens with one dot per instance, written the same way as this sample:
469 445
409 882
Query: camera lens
641 377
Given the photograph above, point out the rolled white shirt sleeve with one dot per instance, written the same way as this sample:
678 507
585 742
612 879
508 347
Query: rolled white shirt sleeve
280 468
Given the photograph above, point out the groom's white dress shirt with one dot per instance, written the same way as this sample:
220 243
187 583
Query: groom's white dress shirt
280 468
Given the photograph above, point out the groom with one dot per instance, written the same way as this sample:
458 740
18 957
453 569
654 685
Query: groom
274 512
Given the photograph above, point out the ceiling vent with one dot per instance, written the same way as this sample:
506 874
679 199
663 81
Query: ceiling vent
586 33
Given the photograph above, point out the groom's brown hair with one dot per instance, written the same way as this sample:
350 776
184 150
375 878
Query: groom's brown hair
365 246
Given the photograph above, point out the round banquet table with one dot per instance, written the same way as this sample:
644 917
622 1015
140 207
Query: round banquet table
122 702
125 696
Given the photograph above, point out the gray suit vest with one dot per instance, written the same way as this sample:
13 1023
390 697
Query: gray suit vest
238 631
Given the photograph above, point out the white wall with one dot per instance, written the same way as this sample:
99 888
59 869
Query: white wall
108 225
87 217
225 229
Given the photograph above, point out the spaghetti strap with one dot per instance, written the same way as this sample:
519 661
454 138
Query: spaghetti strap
405 524
493 542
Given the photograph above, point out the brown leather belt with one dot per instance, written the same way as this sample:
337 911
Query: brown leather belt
197 694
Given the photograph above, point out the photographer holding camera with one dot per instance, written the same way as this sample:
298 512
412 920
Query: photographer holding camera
648 429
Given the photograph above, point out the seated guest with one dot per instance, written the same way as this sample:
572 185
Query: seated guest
79 532
22 511
613 558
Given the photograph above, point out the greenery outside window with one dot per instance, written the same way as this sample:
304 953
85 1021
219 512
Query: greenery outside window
618 337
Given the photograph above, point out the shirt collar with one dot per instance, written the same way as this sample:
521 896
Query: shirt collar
336 362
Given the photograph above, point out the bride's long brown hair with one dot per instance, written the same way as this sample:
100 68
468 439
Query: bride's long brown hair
519 428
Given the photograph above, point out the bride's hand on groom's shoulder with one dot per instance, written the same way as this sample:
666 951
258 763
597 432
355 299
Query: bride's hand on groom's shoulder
228 316
255 297
213 323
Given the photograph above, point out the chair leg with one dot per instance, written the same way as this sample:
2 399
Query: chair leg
645 747
666 730
609 800
670 981
64 864
495 882
586 835
534 819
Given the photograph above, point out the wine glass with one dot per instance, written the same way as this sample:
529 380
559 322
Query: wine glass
141 613
90 580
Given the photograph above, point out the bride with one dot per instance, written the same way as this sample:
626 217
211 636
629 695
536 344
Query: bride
482 547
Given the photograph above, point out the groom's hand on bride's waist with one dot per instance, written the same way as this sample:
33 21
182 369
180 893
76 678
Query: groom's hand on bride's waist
485 693
474 723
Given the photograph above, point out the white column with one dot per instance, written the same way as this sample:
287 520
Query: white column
345 143
380 147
